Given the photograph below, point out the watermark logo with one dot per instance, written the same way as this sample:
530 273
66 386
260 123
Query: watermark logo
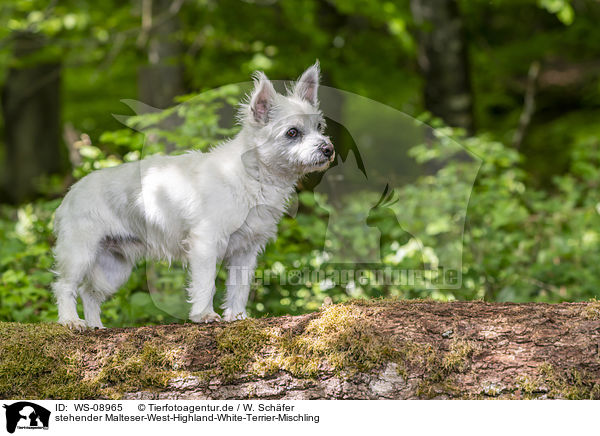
24 415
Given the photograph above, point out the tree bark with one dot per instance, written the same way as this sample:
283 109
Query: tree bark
162 79
363 350
31 112
443 59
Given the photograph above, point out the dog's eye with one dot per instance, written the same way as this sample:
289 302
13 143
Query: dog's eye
292 133
319 126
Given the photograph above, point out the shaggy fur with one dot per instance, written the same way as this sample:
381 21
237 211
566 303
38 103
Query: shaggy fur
200 208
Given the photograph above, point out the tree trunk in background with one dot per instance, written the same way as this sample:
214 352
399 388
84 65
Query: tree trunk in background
332 102
31 112
162 79
443 58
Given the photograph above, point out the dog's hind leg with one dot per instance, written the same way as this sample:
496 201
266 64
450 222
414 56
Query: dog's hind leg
110 270
73 259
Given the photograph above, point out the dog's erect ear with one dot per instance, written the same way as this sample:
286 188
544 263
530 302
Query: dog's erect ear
262 98
307 85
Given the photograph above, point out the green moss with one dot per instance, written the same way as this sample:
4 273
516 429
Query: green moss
47 361
414 356
489 389
431 388
592 310
239 344
442 368
570 384
340 338
343 337
42 361
457 359
551 382
133 368
528 387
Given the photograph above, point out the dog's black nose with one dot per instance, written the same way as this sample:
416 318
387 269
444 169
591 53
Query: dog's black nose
326 148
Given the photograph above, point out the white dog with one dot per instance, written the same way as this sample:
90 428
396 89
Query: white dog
200 208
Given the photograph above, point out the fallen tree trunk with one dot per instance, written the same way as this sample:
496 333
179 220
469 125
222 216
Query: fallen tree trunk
359 350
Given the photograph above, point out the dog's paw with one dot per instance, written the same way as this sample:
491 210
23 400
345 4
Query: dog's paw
206 317
229 315
74 324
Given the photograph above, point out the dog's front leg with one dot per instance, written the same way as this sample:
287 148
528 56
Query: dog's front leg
241 268
202 260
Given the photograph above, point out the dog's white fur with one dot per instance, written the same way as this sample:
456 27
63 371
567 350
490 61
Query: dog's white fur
200 208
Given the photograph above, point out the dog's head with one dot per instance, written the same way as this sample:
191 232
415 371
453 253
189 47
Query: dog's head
288 130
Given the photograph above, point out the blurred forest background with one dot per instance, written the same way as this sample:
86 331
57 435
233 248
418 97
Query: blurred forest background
516 81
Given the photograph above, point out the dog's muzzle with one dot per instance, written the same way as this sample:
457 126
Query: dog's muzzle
326 147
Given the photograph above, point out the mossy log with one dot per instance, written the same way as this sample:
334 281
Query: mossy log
359 350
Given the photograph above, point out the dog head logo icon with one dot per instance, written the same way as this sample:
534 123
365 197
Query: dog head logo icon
24 414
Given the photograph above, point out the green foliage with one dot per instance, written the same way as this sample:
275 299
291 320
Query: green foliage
25 261
523 244
561 8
